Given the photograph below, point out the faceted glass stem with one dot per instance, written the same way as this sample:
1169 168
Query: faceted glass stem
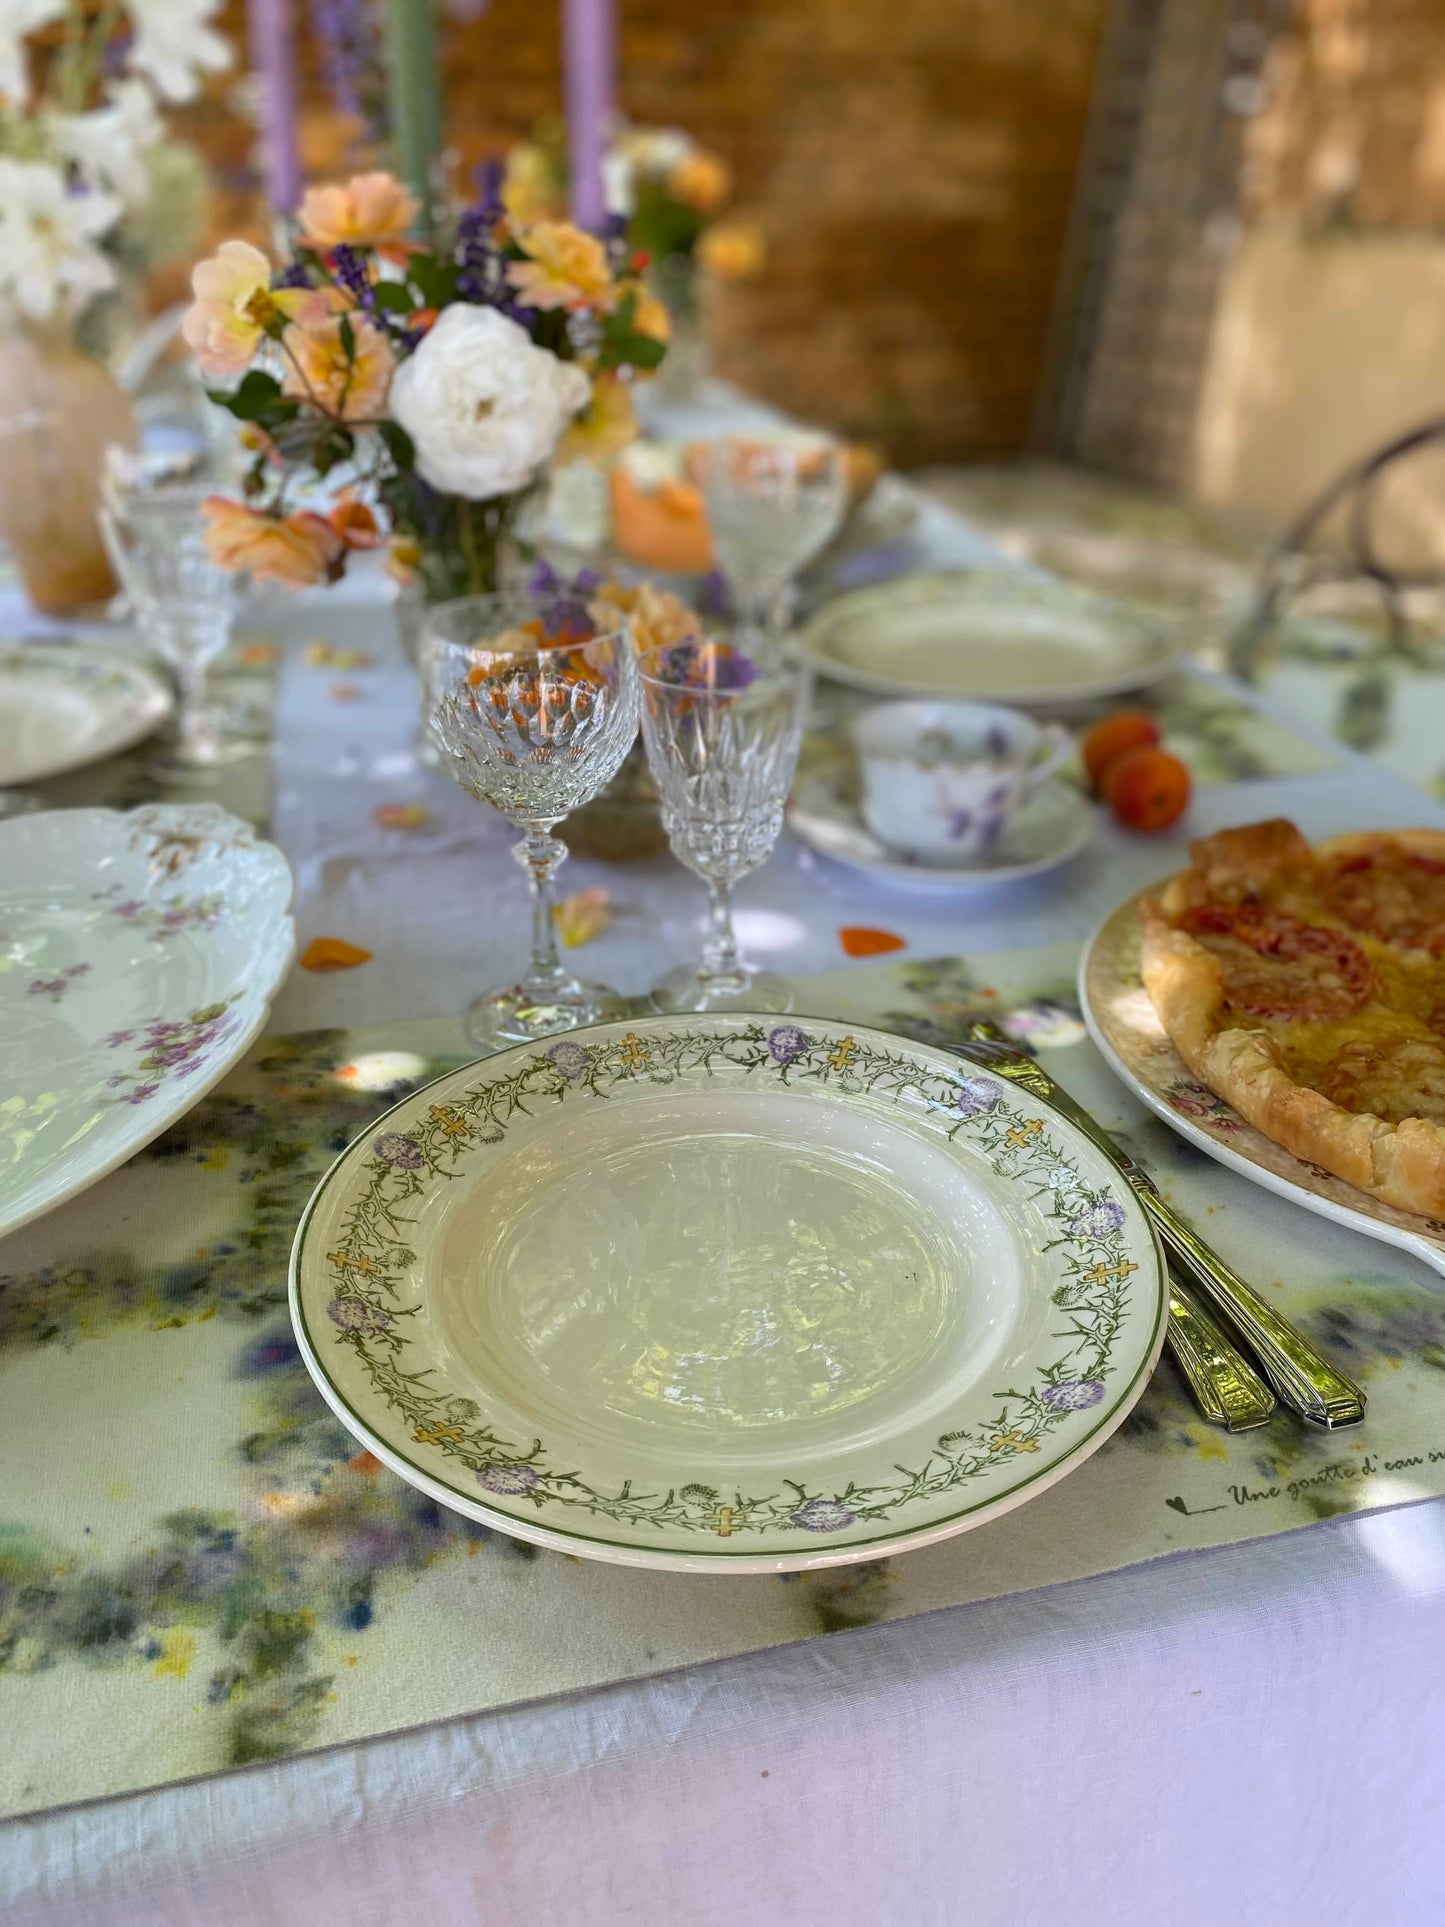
540 855
195 734
721 969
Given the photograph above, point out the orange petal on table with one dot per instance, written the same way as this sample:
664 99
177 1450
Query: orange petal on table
582 916
859 941
343 692
253 655
400 816
332 953
317 655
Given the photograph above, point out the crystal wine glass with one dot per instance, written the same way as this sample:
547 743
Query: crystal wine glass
722 744
772 506
533 707
183 602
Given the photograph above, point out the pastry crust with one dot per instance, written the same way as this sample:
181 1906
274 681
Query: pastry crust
1267 869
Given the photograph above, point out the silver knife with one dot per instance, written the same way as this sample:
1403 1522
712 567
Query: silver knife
1302 1376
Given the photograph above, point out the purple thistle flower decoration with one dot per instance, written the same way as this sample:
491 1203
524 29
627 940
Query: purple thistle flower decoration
1073 1394
392 1148
1099 1221
977 1095
355 1315
822 1515
787 1043
569 1058
512 1481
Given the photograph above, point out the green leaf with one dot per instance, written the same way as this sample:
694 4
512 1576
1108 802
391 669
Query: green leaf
398 444
395 297
348 337
258 398
434 280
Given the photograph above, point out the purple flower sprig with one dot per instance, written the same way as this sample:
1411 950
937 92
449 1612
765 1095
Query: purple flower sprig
707 665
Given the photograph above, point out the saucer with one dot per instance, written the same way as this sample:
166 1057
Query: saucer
1043 833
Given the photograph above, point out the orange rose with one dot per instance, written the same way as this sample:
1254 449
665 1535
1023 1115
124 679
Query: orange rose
297 549
353 387
565 268
700 181
370 210
732 250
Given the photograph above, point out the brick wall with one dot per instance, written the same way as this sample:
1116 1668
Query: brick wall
911 162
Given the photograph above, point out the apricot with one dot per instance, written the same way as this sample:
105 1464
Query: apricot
1147 789
1115 734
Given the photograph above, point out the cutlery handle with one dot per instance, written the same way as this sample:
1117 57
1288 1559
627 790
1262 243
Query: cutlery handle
1304 1379
1225 1385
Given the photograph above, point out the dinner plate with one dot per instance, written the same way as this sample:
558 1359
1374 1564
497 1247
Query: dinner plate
987 633
139 953
1046 830
1125 1025
727 1293
63 705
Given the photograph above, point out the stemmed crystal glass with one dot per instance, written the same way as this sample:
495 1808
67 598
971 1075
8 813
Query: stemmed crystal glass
533 706
722 744
772 507
183 602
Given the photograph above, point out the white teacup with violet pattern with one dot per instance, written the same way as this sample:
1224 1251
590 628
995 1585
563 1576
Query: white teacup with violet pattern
940 780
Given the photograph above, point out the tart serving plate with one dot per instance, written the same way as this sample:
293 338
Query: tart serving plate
139 953
994 634
727 1293
63 705
1125 1025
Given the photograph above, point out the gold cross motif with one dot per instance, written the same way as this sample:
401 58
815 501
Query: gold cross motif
1101 1272
634 1052
363 1265
842 1054
721 1521
1021 1133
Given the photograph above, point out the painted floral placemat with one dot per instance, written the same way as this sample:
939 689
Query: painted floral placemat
199 1569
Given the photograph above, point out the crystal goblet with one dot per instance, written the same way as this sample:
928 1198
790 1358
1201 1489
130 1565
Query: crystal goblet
533 707
722 744
772 507
183 602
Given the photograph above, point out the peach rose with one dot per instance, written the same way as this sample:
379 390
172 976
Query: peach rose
298 549
370 210
700 181
732 250
235 307
565 268
353 387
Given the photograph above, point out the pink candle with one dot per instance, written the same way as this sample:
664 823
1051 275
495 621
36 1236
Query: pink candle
589 63
273 59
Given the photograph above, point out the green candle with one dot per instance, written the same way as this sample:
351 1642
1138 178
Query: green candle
414 91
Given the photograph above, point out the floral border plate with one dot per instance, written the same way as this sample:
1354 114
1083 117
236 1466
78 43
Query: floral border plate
995 634
64 705
727 1294
139 953
1126 1027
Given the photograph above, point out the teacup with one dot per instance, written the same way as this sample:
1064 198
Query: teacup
941 780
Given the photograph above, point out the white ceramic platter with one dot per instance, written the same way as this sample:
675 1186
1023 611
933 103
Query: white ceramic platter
993 634
1046 831
64 705
139 953
727 1294
1126 1027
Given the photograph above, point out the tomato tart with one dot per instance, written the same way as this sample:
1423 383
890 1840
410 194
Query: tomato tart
1306 986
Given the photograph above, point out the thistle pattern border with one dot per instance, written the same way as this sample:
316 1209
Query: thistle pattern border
373 1249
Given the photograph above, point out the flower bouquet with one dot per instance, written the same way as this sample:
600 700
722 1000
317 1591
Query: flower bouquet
413 393
93 194
668 193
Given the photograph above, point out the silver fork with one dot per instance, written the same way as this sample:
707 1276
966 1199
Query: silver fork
1307 1382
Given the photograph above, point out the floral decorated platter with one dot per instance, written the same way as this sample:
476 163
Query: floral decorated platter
1126 1027
139 953
994 634
1047 830
64 705
727 1293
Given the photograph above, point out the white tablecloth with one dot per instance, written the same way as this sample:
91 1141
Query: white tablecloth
1252 1733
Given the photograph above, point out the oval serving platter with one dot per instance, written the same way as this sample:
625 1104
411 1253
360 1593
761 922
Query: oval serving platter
727 1293
139 953
995 634
1125 1025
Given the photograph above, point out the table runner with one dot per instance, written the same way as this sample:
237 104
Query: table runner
200 1569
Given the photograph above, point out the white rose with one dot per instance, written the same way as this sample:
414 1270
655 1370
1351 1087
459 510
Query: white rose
483 404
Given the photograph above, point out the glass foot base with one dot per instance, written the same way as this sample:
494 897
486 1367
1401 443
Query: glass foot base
688 989
514 1016
172 764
